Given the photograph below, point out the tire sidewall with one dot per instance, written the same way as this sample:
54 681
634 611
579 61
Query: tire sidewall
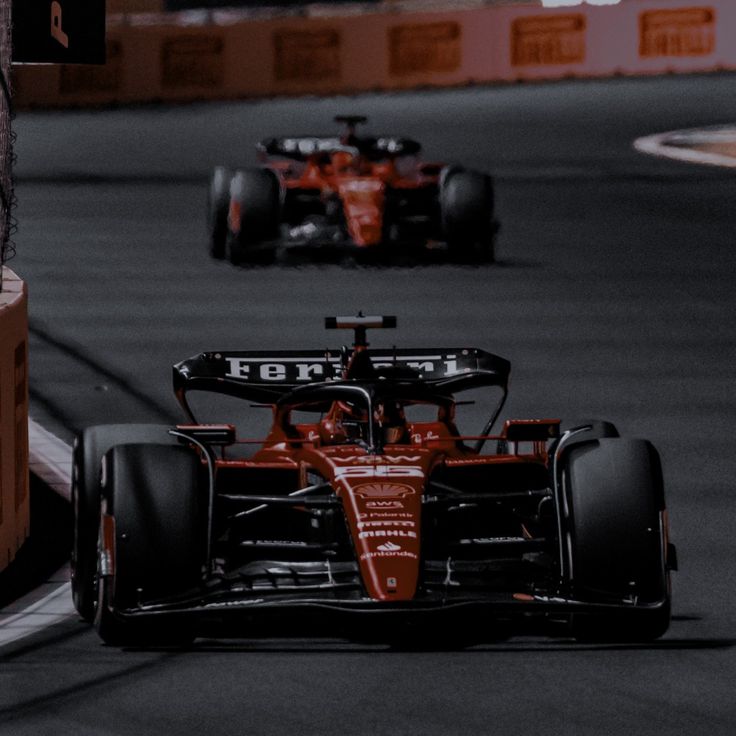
89 448
155 496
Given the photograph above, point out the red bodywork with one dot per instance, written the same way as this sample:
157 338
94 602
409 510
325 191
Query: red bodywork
359 183
381 478
382 494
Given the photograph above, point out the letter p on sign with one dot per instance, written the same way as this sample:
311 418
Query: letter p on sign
56 29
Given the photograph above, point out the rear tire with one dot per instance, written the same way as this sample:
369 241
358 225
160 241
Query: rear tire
466 211
89 447
158 504
218 205
256 193
615 495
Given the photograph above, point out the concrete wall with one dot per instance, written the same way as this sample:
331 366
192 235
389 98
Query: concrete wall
222 55
14 500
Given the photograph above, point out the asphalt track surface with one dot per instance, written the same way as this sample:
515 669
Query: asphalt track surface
613 297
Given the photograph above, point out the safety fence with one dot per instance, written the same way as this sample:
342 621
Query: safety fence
219 55
6 138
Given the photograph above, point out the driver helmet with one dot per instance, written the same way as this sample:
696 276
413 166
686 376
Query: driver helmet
389 416
346 162
350 421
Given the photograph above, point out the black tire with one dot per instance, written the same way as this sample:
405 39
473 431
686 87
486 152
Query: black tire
218 205
466 212
257 194
89 448
615 497
158 503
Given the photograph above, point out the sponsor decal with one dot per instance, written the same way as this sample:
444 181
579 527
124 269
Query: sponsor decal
298 370
362 185
385 505
392 583
372 460
385 523
682 32
467 461
383 490
418 438
305 369
371 533
388 549
307 55
492 540
279 542
374 555
380 471
192 61
437 365
425 48
541 40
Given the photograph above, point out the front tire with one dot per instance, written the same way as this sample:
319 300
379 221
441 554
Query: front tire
218 204
157 504
615 495
89 448
466 211
256 202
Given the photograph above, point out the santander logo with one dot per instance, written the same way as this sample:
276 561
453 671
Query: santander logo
389 547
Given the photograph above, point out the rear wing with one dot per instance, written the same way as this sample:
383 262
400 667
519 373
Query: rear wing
267 376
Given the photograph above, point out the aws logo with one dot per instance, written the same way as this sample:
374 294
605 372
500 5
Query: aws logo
385 505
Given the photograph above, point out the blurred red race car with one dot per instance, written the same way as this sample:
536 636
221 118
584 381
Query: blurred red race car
349 191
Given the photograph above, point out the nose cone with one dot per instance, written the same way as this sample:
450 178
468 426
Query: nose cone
363 203
384 518
367 230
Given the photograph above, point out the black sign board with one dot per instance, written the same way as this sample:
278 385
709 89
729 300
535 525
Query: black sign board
59 31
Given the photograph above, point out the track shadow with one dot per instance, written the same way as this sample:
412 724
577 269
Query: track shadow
351 257
336 646
47 548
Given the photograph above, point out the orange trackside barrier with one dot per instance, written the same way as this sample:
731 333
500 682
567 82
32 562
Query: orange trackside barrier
226 55
14 500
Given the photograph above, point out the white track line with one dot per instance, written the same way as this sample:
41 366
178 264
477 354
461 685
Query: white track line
47 605
673 144
51 460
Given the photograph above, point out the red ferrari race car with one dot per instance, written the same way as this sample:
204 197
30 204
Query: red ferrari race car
365 502
350 193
